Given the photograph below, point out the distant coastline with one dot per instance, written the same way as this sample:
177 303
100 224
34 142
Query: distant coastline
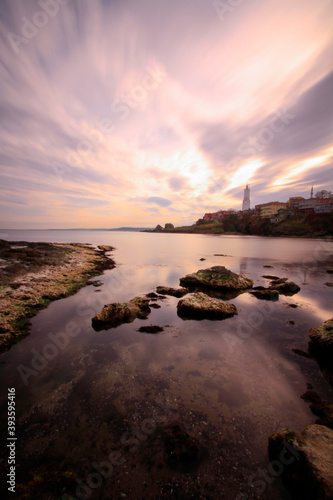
301 226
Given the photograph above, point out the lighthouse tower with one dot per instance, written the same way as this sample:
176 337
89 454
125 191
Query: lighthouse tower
246 201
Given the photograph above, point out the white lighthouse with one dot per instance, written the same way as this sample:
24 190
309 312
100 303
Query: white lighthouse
246 200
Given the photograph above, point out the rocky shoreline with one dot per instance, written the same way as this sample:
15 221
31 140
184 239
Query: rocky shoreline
34 274
303 226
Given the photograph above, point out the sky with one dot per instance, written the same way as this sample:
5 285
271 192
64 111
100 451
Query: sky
143 112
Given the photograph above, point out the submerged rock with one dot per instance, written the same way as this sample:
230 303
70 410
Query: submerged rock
115 314
305 460
217 278
285 287
321 343
181 451
151 329
175 292
265 293
200 305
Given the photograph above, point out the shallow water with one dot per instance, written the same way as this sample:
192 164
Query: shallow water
229 384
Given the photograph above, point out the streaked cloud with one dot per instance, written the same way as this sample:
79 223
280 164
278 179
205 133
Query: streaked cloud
137 113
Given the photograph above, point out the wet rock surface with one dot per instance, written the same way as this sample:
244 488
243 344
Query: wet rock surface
199 305
33 274
175 292
321 343
285 287
216 278
308 461
113 315
265 293
320 408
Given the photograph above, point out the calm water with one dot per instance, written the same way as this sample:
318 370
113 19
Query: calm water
229 384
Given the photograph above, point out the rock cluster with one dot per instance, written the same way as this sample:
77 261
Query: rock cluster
277 286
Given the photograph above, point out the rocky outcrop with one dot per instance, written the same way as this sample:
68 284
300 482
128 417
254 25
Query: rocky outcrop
106 248
34 274
305 461
321 343
320 408
115 314
175 292
158 229
169 227
216 278
200 305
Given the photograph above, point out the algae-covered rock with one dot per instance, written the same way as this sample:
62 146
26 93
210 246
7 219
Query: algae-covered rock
265 293
115 314
175 292
305 460
321 342
217 278
200 305
288 288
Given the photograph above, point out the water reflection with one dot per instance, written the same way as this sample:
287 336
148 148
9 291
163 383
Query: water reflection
229 383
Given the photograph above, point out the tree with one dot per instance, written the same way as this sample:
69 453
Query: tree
324 194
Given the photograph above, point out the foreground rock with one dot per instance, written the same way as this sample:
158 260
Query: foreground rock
321 343
305 460
34 274
200 305
175 292
115 314
320 408
216 278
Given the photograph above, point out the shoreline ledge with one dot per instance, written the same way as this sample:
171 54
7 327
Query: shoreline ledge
34 274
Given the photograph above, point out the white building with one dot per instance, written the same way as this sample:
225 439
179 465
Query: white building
246 201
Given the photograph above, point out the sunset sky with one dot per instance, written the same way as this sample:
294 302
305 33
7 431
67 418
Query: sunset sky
138 112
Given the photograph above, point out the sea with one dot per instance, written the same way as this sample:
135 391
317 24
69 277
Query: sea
225 386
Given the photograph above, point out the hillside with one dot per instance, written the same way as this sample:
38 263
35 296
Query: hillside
311 226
